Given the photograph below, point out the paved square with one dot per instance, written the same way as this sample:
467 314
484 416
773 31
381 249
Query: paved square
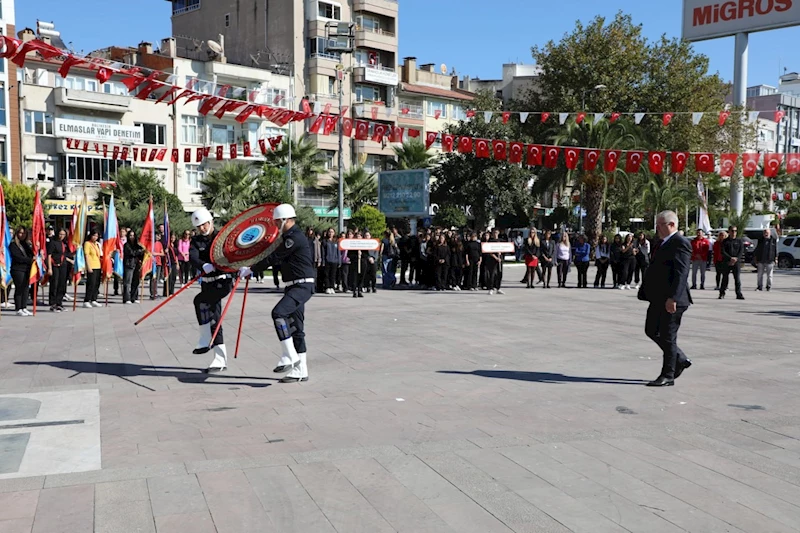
425 412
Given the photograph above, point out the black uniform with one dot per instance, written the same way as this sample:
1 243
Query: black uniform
298 272
732 249
58 252
214 287
473 253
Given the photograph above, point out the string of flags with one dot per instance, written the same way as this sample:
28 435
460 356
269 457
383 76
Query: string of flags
176 155
580 117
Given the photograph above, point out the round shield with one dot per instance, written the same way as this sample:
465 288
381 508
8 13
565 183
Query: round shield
246 239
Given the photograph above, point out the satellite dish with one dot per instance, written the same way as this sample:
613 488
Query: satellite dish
215 47
443 68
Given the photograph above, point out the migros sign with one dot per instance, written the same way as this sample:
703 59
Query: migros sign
704 20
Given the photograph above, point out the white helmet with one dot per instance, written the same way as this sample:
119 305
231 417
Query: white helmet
201 216
284 211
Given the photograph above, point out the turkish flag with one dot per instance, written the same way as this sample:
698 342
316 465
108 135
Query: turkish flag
115 153
124 155
750 164
545 116
551 156
614 117
482 148
448 140
305 106
330 124
233 151
396 135
262 145
275 142
656 161
793 163
208 104
347 126
723 116
787 196
47 51
499 149
68 63
152 156
667 118
168 94
590 158
779 115
534 155
704 162
571 156
774 196
465 145
316 125
727 162
379 130
413 133
85 146
374 112
199 155
404 111
162 152
96 148
218 151
362 130
611 159
247 150
11 46
506 116
772 163
437 114
470 113
515 152
143 154
633 160
187 155
69 144
135 154
105 150
679 161
174 156
579 118
430 138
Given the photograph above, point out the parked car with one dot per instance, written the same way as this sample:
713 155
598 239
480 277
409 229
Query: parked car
789 251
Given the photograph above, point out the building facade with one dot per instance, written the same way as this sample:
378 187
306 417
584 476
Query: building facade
517 81
787 135
9 103
292 36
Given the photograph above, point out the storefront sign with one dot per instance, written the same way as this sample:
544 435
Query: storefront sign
65 207
99 131
324 212
708 19
404 193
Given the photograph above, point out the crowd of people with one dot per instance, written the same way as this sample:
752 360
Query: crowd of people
432 259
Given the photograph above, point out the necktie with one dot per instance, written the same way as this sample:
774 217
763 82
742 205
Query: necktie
656 247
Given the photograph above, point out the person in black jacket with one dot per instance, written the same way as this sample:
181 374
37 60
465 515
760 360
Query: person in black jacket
456 271
132 256
547 254
472 263
531 250
331 260
58 257
766 255
665 287
372 257
732 257
358 269
21 260
441 258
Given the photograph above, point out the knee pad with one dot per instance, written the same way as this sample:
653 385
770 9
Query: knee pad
282 329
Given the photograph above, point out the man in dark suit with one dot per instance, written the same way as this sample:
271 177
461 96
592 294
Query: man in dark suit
665 287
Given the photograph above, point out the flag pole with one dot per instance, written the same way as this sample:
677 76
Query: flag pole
106 292
241 318
74 294
35 297
165 302
224 311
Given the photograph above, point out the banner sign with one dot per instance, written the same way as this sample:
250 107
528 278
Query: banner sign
497 247
708 19
359 244
99 131
404 193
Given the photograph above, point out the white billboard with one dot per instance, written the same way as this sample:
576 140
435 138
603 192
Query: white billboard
99 131
707 19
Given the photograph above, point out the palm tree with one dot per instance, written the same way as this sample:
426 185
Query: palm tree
307 163
228 190
604 136
360 189
412 154
662 192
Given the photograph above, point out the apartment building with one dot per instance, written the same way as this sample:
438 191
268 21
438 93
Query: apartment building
291 36
517 81
53 107
428 98
9 104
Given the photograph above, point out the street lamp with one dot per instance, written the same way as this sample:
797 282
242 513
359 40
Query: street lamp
599 87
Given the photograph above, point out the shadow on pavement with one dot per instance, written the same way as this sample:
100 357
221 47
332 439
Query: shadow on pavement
127 370
544 377
784 314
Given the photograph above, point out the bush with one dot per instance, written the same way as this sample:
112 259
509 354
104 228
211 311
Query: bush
368 217
306 218
450 216
19 203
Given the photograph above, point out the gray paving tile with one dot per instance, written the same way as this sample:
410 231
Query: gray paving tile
16 525
176 495
133 490
65 510
239 463
15 505
234 506
183 523
21 484
125 517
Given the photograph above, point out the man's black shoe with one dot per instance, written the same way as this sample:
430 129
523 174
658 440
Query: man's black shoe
681 368
662 382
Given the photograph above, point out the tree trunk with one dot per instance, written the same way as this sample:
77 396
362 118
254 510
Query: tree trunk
593 203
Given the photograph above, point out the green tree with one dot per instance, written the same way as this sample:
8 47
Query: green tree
307 162
19 203
449 216
228 190
360 188
368 217
490 187
270 187
662 192
134 187
412 154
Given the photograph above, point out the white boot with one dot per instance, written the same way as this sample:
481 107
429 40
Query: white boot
298 373
205 339
220 361
289 359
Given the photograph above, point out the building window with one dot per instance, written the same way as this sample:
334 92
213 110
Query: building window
194 175
276 97
154 133
227 20
222 134
434 106
366 93
318 47
113 87
328 157
329 11
374 163
459 113
272 132
3 165
250 133
180 7
332 85
192 129
38 123
83 118
91 169
368 23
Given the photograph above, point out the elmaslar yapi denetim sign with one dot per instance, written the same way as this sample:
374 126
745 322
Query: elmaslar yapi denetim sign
706 19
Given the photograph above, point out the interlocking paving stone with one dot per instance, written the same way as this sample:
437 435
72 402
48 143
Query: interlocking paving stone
124 517
65 510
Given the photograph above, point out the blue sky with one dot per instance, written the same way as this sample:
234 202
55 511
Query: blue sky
465 34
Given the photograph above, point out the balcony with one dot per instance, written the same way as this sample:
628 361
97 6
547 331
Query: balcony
371 147
376 39
363 110
326 142
375 74
387 8
415 114
320 100
324 63
110 103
